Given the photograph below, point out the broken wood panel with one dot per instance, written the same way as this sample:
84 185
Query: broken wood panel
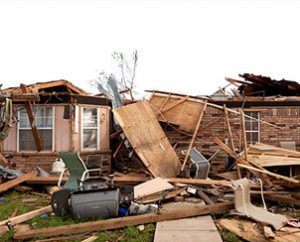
26 216
253 232
147 138
151 187
10 184
264 149
184 112
273 160
115 223
61 126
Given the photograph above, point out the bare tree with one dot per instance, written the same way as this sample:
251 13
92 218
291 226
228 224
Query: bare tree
122 82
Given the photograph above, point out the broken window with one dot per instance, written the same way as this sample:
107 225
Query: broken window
90 126
252 127
43 117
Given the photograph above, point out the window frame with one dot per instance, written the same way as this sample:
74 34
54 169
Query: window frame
97 128
42 128
246 112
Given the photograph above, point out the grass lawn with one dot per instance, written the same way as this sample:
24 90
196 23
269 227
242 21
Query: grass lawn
14 200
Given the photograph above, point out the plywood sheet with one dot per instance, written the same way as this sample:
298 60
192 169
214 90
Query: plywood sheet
185 114
147 138
151 187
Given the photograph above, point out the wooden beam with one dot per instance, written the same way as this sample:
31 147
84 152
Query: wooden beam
174 104
229 128
194 136
242 116
45 180
35 132
116 223
199 182
240 160
10 184
280 177
26 216
119 148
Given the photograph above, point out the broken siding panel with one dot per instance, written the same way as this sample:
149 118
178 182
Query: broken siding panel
148 139
61 129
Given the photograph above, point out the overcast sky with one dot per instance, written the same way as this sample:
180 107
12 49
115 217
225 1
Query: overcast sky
184 46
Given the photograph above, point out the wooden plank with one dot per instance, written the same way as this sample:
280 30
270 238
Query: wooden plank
151 187
282 198
199 182
162 196
10 184
273 160
194 136
228 127
240 160
35 132
280 177
45 180
90 239
252 232
26 216
118 148
115 223
147 138
242 116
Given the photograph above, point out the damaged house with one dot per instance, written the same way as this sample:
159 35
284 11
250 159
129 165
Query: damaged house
61 117
271 115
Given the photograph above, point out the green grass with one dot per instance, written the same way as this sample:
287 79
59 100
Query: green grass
14 198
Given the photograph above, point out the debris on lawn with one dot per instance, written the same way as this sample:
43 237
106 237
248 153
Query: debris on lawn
152 161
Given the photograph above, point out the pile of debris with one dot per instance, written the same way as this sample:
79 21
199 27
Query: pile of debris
172 184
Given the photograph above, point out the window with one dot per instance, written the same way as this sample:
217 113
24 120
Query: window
252 127
90 126
43 117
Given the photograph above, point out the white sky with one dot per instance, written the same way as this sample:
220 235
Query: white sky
184 46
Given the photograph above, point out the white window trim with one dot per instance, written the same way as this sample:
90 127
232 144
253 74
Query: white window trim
97 128
53 133
254 131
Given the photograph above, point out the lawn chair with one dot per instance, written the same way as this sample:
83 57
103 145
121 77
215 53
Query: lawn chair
199 166
244 206
77 169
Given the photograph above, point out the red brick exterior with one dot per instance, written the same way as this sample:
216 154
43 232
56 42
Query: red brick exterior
26 162
213 125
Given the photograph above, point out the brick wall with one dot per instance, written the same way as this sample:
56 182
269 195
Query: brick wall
26 162
213 125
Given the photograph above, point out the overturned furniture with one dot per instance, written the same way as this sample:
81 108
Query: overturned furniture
84 196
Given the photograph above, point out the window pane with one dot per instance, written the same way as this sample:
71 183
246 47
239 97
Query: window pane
26 140
90 139
90 117
24 122
42 116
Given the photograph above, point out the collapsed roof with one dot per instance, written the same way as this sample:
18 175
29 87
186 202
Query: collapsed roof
257 85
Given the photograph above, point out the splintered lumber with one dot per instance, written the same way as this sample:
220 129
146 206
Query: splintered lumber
240 160
45 180
90 239
199 181
242 116
194 136
162 196
280 177
26 216
151 187
3 159
228 127
147 138
252 232
35 132
116 223
280 198
192 103
10 184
